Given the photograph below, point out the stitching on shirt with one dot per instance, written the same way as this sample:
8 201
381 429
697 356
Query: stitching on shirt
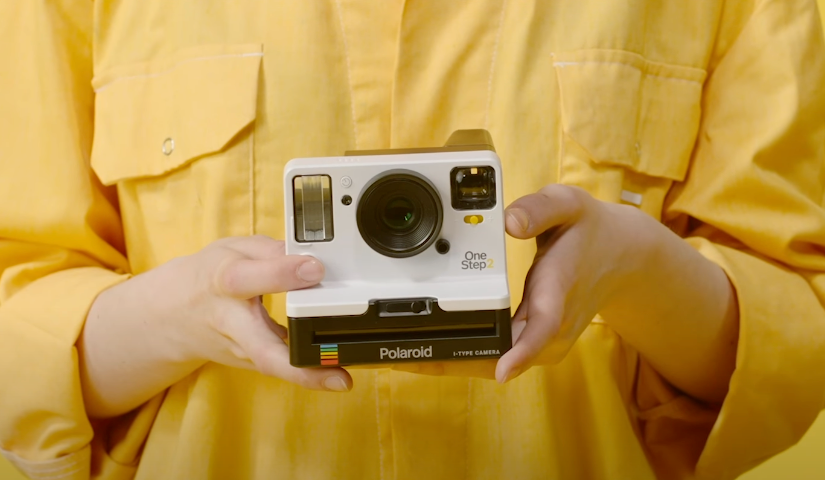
493 63
349 71
175 66
64 475
252 181
50 472
594 62
46 466
53 473
32 467
378 428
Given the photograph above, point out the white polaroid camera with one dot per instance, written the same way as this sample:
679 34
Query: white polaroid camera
413 245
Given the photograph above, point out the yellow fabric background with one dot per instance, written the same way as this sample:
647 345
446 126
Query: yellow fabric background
805 461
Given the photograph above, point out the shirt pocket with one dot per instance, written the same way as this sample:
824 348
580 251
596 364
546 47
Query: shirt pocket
176 137
628 125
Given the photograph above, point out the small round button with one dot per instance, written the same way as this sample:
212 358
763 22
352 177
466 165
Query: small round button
168 146
346 182
442 246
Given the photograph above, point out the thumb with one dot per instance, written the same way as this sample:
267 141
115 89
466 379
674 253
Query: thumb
551 207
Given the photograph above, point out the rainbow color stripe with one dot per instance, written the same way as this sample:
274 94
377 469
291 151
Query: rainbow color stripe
329 354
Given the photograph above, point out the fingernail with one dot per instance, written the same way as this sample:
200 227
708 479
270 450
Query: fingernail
520 217
311 271
513 373
336 384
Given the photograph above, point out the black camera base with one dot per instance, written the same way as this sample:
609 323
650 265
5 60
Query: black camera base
399 330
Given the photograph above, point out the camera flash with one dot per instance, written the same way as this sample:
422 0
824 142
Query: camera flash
313 208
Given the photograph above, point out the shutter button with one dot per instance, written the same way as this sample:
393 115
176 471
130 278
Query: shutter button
168 146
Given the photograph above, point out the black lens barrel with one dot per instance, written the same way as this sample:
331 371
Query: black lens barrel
400 215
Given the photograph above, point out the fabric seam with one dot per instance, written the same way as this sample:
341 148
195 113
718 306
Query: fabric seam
349 71
174 67
595 62
378 428
493 64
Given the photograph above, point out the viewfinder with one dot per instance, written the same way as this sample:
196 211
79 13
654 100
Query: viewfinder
473 188
312 199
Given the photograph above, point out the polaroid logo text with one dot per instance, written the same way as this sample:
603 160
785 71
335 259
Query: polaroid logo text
397 353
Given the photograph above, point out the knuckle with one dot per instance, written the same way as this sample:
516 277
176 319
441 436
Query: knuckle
306 379
269 246
223 242
265 361
220 323
573 198
550 190
226 279
578 198
224 322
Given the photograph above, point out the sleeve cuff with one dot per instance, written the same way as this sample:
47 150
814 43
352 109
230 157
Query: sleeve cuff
778 387
75 466
44 419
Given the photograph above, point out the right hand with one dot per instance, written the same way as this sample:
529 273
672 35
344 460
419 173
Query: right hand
163 324
218 313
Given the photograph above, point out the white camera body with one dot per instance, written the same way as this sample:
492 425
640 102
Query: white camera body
413 244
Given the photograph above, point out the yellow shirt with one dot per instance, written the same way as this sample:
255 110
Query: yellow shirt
706 115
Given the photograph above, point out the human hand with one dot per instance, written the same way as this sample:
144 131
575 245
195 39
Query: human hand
163 324
582 256
223 320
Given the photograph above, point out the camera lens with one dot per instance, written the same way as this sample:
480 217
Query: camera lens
400 215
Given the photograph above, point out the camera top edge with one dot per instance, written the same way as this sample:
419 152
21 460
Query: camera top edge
456 158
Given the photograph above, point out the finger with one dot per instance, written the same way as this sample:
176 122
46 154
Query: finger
259 247
247 278
541 322
553 206
270 355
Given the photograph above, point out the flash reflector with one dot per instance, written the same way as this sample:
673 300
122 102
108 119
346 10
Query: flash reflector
313 208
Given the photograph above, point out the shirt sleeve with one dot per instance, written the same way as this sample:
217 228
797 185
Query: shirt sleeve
60 234
753 204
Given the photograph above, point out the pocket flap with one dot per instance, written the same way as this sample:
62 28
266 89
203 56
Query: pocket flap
626 110
152 118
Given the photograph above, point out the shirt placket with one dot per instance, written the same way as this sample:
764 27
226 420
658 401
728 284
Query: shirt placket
442 83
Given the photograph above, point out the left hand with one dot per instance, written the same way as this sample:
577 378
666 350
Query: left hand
584 253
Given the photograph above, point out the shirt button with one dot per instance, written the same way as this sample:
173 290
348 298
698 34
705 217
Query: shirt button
168 146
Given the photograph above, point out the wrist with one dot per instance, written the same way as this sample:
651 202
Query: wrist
147 312
636 242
